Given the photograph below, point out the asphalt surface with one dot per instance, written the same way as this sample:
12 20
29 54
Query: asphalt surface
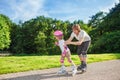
107 70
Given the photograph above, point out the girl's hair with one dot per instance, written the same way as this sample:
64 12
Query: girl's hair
76 27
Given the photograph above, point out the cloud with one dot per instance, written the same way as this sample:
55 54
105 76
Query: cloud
60 9
117 1
107 8
66 10
27 9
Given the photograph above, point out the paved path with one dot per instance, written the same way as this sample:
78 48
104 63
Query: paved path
108 70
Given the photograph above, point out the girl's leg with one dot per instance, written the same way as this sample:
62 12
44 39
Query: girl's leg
68 56
62 69
62 60
73 66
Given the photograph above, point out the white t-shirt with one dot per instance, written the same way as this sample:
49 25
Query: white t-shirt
82 34
61 44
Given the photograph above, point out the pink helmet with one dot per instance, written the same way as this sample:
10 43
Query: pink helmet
58 33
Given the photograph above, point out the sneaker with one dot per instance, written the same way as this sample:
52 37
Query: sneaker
62 71
74 70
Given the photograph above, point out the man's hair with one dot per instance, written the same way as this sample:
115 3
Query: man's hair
76 27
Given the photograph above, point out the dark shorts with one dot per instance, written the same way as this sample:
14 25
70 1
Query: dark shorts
82 49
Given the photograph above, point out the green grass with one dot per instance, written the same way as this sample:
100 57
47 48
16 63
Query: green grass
11 64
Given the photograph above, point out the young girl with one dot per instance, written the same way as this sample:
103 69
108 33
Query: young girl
65 53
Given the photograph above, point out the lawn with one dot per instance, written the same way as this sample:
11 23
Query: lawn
11 64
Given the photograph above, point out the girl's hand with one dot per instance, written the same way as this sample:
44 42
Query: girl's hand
56 43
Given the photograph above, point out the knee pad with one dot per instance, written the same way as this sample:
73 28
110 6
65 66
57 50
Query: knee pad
69 61
83 52
85 56
82 55
62 61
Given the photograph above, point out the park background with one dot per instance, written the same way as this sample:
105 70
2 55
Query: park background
34 37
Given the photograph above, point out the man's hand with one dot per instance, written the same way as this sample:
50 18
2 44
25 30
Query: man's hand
67 42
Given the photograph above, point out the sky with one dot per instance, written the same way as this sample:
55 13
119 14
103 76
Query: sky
57 9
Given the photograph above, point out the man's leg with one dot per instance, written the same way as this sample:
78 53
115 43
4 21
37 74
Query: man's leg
82 53
83 61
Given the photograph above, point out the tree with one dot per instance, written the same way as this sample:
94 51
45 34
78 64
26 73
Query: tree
35 35
112 20
40 44
106 32
96 19
5 24
108 44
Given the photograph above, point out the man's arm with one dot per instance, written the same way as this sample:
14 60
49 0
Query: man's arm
77 42
69 40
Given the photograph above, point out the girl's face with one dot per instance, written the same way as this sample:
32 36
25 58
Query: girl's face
76 31
58 37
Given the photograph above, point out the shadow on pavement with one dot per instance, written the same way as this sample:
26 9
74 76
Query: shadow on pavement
45 76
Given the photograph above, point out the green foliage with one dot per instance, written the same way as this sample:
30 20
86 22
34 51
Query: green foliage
4 32
16 39
36 35
40 43
109 42
112 20
96 19
105 34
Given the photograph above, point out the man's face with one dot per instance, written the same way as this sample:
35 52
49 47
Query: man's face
75 31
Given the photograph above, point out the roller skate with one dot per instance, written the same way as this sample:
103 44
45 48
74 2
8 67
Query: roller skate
79 67
82 67
62 71
74 70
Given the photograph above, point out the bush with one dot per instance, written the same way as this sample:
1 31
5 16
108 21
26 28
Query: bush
109 42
